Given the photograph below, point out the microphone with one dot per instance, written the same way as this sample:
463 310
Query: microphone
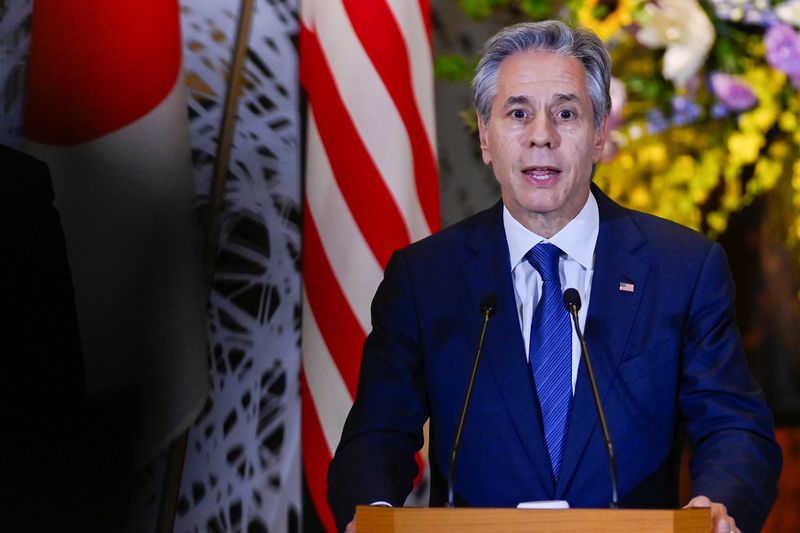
488 307
572 301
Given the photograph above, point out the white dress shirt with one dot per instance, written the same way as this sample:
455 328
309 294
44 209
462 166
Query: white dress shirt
577 240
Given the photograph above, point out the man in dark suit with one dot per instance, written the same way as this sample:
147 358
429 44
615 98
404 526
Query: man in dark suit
657 313
43 377
42 380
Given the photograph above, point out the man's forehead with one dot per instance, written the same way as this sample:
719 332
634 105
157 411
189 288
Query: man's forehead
536 65
538 55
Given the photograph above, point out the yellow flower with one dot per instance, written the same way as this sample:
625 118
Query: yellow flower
706 177
767 174
640 197
764 116
788 121
717 221
732 195
744 146
626 161
796 175
611 22
653 155
779 150
686 136
766 82
679 175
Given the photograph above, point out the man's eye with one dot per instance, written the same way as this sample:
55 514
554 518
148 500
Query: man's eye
519 114
565 114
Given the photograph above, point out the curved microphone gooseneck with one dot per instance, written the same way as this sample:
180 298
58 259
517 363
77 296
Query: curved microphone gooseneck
488 307
572 301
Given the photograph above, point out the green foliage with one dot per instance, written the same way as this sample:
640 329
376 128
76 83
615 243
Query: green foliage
453 67
480 9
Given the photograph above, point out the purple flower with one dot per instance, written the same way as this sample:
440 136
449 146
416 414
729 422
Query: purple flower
684 111
783 50
732 91
718 111
656 122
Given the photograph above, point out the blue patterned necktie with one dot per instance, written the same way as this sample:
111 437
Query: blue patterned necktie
551 351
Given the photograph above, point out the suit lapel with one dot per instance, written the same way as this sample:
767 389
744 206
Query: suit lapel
612 309
487 270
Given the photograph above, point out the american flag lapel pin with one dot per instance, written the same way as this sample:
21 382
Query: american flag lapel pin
625 286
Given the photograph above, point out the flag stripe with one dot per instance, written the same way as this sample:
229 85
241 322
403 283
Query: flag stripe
338 326
354 265
425 22
331 397
376 27
315 458
417 38
359 179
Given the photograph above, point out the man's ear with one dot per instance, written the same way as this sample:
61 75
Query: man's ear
483 135
600 135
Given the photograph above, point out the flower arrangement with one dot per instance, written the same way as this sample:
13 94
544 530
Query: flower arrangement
706 109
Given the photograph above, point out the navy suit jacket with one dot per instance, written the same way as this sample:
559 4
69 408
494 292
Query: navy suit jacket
667 357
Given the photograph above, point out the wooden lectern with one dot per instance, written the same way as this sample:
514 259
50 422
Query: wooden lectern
377 519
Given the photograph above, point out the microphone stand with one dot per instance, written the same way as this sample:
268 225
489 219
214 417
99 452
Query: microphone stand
488 307
573 303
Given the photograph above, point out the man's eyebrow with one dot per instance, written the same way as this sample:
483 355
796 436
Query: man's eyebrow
516 100
559 98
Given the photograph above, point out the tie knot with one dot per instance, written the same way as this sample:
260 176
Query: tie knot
544 258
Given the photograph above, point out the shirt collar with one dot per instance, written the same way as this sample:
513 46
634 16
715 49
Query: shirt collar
577 239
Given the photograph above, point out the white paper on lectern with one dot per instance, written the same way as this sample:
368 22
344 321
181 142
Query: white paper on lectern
544 504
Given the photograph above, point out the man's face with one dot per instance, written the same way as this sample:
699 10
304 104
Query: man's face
541 140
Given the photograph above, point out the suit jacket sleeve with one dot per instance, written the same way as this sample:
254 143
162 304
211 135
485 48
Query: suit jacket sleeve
735 458
375 457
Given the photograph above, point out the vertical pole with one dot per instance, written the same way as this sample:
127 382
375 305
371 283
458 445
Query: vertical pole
177 449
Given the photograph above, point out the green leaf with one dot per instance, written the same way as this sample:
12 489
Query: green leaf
452 67
477 9
537 9
726 55
600 12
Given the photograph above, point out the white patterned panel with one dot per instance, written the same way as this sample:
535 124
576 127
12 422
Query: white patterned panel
242 468
15 34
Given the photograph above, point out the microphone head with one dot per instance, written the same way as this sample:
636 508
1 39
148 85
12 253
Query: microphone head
572 298
489 303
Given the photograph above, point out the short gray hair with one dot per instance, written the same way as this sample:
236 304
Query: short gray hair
551 35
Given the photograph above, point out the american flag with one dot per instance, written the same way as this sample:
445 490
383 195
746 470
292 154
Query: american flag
624 286
371 188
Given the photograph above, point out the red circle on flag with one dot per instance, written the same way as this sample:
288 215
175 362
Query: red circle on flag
98 65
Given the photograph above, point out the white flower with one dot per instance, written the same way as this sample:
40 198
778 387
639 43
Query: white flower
684 29
789 12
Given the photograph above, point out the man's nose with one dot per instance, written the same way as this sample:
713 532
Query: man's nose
542 132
